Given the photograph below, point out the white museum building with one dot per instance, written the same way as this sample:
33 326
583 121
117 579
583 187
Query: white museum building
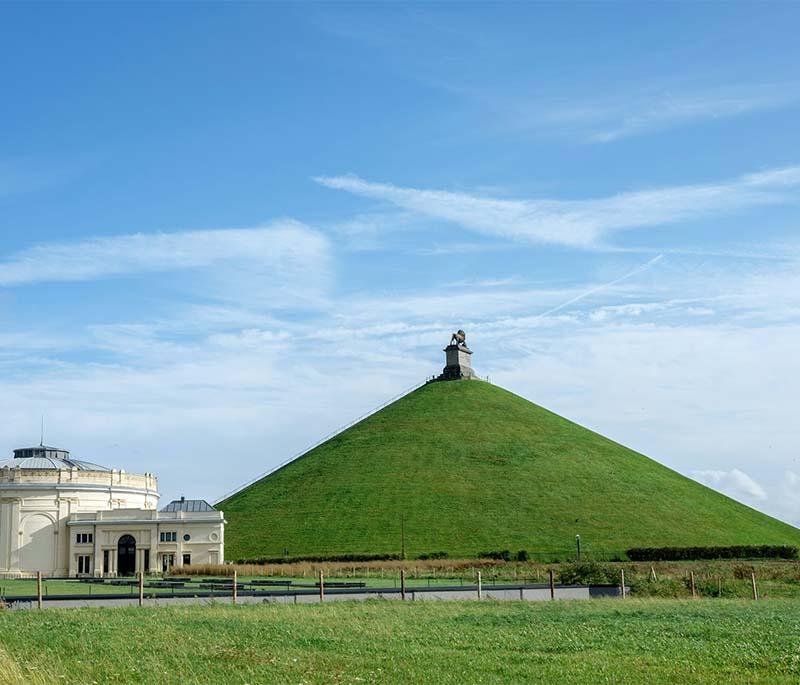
66 517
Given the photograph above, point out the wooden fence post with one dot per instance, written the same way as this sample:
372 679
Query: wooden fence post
480 588
755 587
552 585
141 588
39 589
622 582
403 584
234 587
653 575
321 586
694 587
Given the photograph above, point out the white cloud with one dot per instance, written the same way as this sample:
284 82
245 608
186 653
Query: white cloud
734 483
581 223
604 120
285 246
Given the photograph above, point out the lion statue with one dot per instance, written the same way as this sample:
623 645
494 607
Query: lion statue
459 338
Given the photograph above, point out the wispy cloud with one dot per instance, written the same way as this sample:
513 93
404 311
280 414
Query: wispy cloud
581 223
606 120
735 483
282 246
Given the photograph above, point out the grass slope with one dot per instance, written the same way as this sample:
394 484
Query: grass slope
473 467
707 641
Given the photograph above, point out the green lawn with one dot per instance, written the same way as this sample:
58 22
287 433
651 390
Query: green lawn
469 467
635 641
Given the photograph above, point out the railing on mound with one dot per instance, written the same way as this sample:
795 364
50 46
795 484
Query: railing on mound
329 436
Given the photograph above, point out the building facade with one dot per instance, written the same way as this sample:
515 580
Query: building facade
125 541
66 517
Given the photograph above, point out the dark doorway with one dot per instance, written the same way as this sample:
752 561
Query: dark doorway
126 556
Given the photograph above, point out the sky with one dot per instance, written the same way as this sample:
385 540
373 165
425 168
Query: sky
227 230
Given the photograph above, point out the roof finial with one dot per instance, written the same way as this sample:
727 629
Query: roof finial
41 440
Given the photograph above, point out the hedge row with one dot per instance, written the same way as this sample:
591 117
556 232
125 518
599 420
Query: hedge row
319 558
691 553
433 555
504 555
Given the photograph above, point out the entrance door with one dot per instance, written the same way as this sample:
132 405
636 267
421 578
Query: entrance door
167 562
126 556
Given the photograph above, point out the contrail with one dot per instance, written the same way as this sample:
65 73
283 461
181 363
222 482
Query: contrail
592 291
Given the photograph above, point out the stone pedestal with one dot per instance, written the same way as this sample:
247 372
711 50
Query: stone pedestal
458 363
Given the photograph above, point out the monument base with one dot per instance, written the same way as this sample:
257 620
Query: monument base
459 365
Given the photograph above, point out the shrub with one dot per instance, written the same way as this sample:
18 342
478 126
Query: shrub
356 558
502 555
433 555
694 553
522 555
587 573
743 572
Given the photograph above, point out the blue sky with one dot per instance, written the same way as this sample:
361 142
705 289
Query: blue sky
228 229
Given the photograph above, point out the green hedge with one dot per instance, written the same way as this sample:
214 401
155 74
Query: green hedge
692 553
320 558
433 555
505 555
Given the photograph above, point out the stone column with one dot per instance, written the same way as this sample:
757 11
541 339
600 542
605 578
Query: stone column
97 568
14 534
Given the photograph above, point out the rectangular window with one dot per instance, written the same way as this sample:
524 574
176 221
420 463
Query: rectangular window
169 536
146 568
187 559
84 538
105 561
167 562
84 564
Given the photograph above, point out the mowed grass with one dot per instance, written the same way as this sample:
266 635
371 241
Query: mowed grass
634 641
469 467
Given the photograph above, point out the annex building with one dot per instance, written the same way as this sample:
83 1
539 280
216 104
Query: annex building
66 517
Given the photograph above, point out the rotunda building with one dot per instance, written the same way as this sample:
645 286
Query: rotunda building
41 489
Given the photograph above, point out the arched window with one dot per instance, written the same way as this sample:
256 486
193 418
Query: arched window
126 556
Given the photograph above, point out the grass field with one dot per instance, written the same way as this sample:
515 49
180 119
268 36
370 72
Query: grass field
470 467
635 641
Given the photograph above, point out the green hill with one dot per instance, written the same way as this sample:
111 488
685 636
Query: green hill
471 467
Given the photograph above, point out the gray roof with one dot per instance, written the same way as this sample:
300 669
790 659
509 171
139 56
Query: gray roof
188 505
47 458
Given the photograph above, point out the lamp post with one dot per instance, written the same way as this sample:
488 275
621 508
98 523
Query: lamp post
578 545
402 536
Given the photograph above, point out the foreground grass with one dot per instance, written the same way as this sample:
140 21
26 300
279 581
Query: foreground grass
566 642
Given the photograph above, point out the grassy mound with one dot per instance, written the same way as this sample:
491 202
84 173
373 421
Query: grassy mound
467 467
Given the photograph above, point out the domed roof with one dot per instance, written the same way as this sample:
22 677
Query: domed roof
47 458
